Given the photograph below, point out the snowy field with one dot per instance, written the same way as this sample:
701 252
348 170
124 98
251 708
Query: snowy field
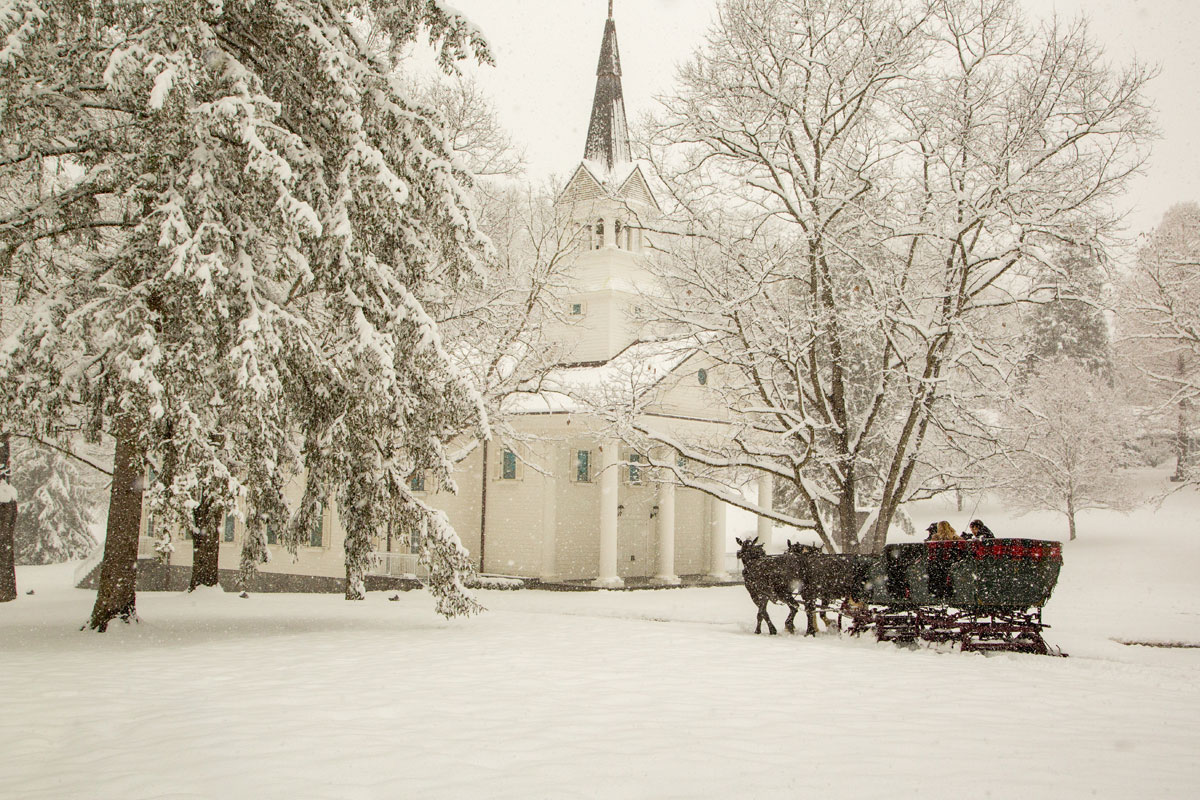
653 694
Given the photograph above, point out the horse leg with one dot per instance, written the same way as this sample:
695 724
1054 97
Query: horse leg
794 608
811 611
763 615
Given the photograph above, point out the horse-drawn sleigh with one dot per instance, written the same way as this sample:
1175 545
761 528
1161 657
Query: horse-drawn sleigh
985 595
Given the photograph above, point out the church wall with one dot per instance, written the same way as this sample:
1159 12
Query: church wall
577 540
462 508
514 523
326 560
691 532
589 332
637 537
682 394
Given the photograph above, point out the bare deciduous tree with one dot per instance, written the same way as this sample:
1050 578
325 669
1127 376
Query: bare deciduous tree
863 190
1066 437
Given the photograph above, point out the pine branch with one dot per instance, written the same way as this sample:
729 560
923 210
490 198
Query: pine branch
64 451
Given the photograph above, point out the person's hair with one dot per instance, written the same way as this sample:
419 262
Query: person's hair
944 528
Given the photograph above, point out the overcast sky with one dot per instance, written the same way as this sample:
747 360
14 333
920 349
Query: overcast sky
546 53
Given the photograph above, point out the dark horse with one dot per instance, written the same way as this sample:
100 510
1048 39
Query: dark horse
825 578
768 579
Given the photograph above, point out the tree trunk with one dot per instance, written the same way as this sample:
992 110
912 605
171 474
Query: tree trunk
1071 516
117 595
847 519
1182 434
8 524
358 555
206 546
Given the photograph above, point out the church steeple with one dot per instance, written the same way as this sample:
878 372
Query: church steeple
608 133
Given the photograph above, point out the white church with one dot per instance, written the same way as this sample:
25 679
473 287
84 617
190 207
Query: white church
575 506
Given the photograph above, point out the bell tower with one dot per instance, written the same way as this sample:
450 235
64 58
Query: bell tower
608 204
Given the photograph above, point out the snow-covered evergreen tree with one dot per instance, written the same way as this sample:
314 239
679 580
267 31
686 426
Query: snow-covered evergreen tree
55 515
1070 323
273 225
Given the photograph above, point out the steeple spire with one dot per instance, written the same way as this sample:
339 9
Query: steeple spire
608 133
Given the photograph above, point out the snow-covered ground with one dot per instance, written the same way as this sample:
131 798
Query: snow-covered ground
654 694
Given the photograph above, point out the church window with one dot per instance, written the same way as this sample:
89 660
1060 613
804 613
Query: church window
576 309
316 534
702 376
635 468
230 522
417 481
508 465
272 538
628 237
617 232
599 234
583 466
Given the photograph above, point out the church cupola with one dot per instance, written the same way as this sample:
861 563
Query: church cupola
608 134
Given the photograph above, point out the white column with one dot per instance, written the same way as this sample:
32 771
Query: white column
666 534
609 484
716 532
549 570
766 489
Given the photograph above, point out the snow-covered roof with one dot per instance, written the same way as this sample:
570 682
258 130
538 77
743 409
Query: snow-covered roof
628 375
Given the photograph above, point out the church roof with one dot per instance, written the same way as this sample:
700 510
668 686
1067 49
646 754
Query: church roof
608 132
627 183
630 374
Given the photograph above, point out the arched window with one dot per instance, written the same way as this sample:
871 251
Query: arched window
599 233
702 376
617 232
628 237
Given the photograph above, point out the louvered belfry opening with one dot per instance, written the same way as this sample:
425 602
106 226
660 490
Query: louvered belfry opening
608 133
